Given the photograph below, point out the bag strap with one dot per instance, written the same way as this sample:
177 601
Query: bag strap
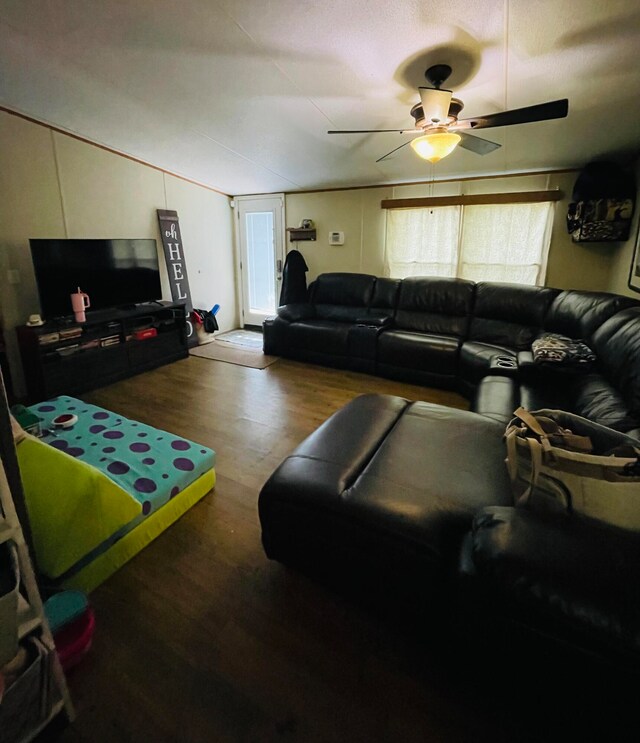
571 440
531 421
535 447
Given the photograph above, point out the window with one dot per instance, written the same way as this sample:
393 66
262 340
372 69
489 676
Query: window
486 242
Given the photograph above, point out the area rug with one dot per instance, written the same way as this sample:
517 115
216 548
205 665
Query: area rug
233 354
245 338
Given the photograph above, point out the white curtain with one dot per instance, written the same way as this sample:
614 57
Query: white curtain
505 242
422 242
493 242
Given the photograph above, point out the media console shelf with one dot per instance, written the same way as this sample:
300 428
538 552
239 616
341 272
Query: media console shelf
111 345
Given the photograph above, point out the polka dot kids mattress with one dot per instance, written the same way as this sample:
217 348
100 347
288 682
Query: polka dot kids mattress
151 465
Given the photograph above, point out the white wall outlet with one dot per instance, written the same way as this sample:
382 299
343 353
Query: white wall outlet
336 238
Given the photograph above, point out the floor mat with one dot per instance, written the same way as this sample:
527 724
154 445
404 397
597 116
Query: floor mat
244 338
234 354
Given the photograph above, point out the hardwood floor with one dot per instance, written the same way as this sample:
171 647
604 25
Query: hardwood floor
201 638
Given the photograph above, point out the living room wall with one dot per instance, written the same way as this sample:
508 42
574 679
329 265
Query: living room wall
54 185
621 265
358 214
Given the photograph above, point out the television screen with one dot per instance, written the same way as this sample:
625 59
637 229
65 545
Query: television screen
111 272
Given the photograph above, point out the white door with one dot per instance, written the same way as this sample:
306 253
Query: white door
261 241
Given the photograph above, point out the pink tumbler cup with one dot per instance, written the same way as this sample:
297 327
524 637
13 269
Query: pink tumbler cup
79 303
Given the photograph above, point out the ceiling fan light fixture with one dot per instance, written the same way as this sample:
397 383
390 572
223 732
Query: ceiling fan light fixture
433 147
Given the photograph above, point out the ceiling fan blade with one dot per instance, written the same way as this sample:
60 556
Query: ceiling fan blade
435 104
372 131
540 112
477 144
404 144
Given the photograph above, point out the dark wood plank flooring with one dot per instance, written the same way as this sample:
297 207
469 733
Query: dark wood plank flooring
201 638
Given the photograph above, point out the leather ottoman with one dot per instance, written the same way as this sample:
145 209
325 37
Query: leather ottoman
382 494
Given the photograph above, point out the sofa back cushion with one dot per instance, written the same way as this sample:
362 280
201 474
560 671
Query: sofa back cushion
343 297
597 400
385 295
509 314
617 345
579 314
434 305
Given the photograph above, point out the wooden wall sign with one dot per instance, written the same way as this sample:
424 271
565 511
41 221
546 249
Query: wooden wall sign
176 265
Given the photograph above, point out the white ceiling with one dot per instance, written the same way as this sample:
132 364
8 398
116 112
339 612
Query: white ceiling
239 94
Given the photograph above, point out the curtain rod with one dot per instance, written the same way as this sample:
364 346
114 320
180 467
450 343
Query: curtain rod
516 197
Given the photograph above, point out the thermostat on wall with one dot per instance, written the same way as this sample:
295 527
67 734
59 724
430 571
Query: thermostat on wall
336 238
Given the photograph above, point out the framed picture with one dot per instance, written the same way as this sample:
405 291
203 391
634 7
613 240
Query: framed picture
634 273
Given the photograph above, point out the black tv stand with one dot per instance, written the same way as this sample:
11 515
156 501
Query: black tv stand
63 357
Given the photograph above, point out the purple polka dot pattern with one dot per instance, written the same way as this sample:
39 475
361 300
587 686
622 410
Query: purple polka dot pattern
59 444
183 464
45 408
118 468
174 491
148 461
75 451
100 416
142 435
93 443
203 451
78 438
71 407
109 449
164 477
113 434
103 459
146 507
97 428
180 445
139 447
145 485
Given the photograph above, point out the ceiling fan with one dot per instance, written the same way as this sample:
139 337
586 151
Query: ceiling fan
436 119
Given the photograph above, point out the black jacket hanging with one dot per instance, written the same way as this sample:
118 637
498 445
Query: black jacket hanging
294 281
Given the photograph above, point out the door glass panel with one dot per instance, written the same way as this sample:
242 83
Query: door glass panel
261 262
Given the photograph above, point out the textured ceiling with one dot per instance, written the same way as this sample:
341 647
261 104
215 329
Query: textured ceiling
239 94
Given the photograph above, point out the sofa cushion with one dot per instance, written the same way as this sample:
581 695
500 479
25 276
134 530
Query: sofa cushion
509 314
617 345
475 359
597 400
434 305
321 336
342 297
437 354
578 314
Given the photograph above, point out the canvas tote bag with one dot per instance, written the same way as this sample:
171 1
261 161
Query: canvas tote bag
560 461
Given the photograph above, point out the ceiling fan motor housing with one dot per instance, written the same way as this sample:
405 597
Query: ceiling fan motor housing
438 74
455 107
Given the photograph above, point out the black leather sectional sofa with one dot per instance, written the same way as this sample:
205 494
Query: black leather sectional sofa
411 501
475 338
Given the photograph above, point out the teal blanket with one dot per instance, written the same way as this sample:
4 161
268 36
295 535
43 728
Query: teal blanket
150 464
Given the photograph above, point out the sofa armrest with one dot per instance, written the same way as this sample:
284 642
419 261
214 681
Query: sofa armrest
296 312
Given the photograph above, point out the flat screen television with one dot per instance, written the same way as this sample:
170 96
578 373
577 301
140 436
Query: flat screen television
112 272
